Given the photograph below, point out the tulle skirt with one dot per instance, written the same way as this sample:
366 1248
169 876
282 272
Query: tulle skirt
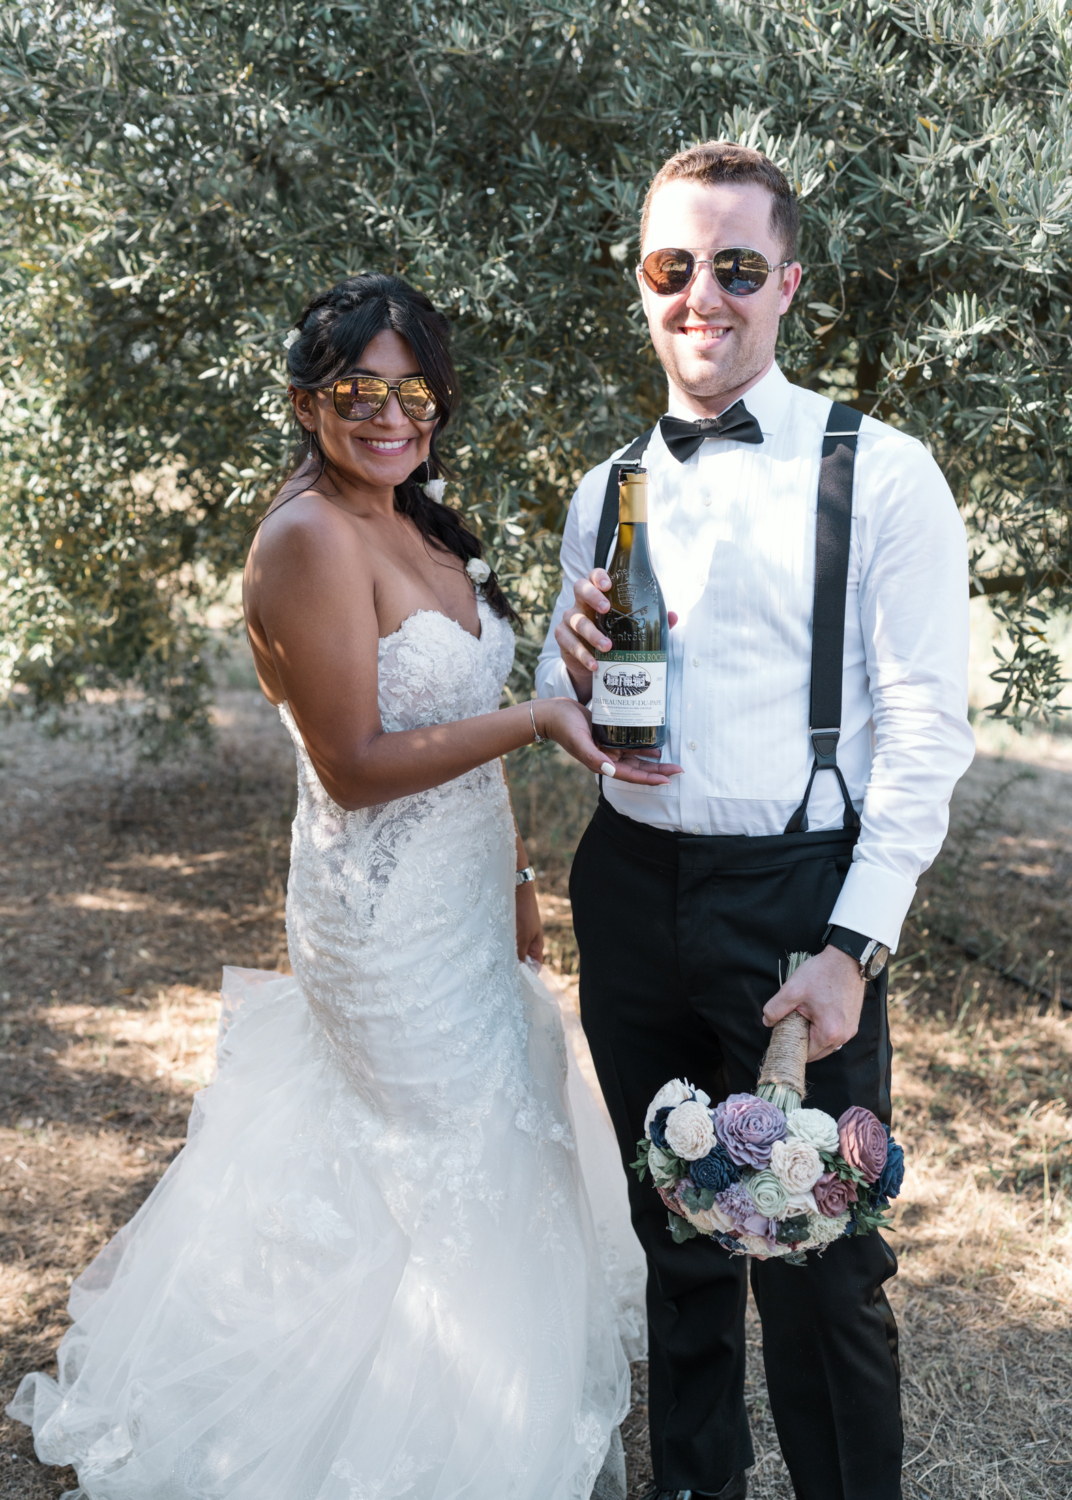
267 1327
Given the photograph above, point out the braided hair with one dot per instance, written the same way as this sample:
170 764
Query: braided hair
333 332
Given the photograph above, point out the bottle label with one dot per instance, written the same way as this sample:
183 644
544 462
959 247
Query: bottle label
629 689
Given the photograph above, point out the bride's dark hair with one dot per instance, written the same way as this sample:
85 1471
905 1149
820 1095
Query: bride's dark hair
333 332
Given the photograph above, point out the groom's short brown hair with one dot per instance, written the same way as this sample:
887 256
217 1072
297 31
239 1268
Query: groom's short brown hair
725 161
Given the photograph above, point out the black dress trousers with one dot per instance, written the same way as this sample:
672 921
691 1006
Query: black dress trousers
680 941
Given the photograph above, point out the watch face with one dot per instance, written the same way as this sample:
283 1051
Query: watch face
877 962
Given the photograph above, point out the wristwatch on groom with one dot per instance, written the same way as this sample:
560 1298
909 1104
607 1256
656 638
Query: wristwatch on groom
869 953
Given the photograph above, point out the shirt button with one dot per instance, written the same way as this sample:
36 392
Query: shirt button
692 744
696 828
696 661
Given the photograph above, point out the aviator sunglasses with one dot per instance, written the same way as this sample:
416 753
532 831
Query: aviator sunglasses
359 397
740 272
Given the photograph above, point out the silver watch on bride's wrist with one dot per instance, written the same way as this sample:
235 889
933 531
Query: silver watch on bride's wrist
869 953
524 876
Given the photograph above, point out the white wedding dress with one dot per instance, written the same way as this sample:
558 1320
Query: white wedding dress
374 1271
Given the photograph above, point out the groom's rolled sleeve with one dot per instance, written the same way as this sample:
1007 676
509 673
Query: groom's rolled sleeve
914 614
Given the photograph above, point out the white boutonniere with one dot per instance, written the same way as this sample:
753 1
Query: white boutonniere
435 489
478 570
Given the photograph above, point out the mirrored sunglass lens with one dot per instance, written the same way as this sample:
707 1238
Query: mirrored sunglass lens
740 272
356 400
668 271
417 400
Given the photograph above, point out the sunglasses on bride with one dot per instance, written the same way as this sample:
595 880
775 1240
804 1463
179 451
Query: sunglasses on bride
742 273
359 397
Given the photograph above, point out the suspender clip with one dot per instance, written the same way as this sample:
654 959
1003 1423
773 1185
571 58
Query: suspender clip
825 742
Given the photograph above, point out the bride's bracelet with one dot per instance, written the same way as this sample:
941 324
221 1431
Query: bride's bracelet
540 738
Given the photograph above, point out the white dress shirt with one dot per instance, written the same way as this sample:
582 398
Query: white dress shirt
732 538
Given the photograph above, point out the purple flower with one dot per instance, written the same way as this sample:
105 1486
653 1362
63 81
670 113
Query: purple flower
889 1184
748 1127
715 1171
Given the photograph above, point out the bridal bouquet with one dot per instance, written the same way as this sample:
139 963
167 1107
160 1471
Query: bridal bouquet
760 1174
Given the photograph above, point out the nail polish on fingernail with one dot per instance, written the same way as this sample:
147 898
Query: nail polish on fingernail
606 769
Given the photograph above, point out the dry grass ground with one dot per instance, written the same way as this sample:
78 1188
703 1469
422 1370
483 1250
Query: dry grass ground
125 889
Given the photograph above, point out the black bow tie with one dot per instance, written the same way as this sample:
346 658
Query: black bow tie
683 438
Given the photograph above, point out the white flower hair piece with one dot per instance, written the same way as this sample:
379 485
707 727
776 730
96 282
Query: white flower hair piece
477 568
435 489
292 337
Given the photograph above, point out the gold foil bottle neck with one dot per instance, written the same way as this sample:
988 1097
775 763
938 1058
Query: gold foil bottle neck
633 498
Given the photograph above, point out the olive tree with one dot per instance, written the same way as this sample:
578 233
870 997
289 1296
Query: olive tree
179 178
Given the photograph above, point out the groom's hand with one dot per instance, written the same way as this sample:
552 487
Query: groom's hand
829 991
578 633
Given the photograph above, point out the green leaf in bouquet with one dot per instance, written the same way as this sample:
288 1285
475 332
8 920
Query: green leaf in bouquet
697 1200
681 1229
797 1258
834 1162
791 1230
640 1166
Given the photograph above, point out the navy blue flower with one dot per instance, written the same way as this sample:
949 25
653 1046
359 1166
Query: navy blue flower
715 1171
657 1128
889 1184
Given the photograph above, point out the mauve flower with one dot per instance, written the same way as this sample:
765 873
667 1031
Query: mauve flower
672 1093
862 1141
715 1171
669 1197
748 1127
689 1132
796 1165
833 1194
814 1126
768 1194
889 1184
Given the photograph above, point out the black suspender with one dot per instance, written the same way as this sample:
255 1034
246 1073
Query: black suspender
608 520
833 529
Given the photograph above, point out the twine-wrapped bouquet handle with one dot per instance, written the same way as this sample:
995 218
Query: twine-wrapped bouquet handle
781 1080
787 1055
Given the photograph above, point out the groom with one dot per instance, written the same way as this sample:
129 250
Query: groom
817 705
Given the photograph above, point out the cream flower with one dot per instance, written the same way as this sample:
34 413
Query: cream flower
435 489
796 1164
801 1203
823 1231
709 1220
689 1132
674 1092
814 1127
658 1163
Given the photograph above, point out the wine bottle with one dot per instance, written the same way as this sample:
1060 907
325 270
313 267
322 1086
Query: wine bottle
629 684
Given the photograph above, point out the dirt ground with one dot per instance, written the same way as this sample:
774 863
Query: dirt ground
125 888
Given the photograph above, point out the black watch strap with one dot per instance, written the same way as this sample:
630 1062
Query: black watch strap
869 953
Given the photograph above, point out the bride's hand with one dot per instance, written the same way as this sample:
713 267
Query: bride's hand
529 926
570 725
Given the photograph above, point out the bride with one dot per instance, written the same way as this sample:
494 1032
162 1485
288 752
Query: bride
373 1272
